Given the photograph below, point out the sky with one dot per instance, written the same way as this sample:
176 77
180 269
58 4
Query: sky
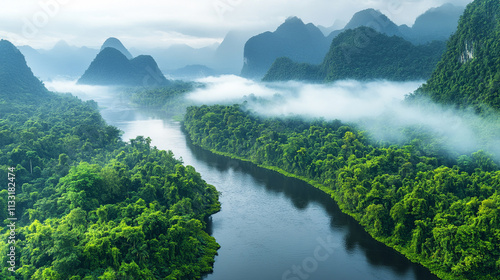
162 23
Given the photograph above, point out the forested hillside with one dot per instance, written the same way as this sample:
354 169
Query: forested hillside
364 54
469 72
436 209
87 205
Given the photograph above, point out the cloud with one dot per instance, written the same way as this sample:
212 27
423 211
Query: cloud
227 89
88 22
346 100
377 107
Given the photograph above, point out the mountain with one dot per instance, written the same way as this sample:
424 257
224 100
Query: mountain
111 67
115 43
228 57
375 20
435 24
379 57
469 72
293 39
16 77
61 60
369 18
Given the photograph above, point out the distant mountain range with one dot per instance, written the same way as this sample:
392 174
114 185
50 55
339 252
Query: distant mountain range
16 78
62 60
373 19
305 44
378 56
240 53
71 62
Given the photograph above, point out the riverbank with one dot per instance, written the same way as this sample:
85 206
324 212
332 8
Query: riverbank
383 189
334 195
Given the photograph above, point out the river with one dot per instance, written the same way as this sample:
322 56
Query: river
270 226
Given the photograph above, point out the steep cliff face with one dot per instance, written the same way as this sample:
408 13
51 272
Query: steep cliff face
469 72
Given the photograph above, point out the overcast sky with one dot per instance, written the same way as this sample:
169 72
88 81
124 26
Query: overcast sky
160 23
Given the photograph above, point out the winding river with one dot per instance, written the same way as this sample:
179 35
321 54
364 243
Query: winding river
270 226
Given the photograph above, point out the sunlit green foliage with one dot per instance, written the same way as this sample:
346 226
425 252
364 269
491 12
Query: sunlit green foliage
92 207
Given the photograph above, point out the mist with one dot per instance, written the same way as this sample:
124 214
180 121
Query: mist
376 106
84 92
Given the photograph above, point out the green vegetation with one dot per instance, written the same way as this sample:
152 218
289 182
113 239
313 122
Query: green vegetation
285 69
469 73
364 54
437 210
90 206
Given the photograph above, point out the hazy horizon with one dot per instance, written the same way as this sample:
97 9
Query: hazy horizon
150 24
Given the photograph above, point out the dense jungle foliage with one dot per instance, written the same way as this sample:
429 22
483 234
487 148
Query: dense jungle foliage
442 212
469 72
88 205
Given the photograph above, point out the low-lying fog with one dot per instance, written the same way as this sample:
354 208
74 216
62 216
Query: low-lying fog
376 106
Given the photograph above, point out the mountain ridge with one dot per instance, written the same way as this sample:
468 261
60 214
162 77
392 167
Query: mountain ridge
113 42
379 57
